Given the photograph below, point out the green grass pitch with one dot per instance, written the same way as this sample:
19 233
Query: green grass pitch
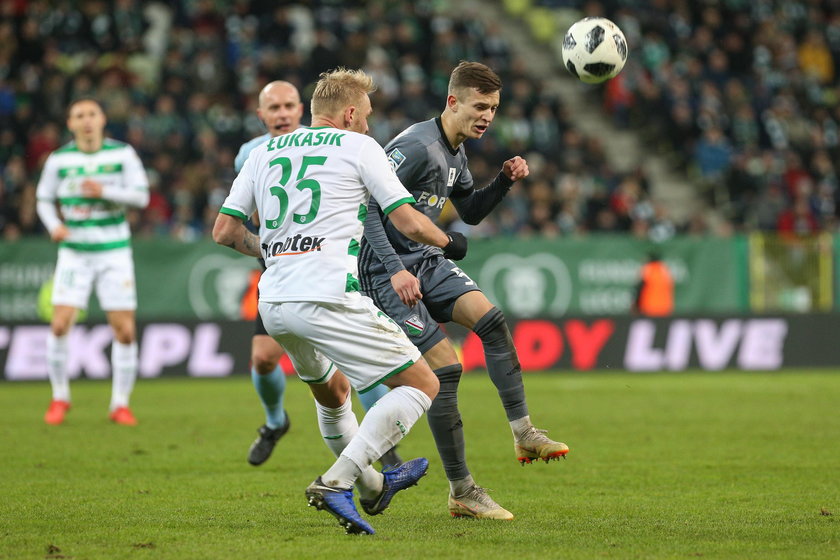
724 465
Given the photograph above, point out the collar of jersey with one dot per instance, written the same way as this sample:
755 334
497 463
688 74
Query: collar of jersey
453 151
315 127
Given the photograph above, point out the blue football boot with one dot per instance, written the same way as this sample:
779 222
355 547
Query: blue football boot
396 479
338 502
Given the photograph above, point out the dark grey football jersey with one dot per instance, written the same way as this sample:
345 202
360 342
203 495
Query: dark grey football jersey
431 171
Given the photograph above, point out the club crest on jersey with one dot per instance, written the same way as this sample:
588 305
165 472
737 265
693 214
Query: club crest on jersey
396 158
414 325
451 179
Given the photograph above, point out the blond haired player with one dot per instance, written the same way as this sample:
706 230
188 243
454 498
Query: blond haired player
311 189
280 110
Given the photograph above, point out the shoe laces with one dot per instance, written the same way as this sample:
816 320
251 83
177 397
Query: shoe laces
480 495
535 434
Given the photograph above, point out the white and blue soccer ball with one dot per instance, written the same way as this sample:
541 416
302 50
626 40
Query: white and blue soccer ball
594 50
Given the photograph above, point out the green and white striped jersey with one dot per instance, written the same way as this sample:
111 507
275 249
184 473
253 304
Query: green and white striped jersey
95 224
311 188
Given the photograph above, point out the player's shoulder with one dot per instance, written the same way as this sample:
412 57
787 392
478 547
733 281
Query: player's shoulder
68 148
112 144
417 136
253 143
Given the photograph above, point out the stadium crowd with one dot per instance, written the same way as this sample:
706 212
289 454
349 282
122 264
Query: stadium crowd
742 95
745 97
179 83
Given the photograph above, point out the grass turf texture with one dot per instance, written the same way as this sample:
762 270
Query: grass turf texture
726 465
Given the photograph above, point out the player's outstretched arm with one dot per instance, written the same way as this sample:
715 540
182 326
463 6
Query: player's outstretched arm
231 232
475 204
418 227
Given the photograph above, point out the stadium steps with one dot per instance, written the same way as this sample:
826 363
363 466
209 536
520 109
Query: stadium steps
522 25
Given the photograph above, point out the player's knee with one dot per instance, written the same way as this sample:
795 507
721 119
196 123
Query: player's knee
60 327
62 320
265 356
449 377
124 334
492 328
264 362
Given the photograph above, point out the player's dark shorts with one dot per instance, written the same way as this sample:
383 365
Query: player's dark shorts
259 328
441 282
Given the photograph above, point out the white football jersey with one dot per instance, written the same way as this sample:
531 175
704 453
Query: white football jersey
95 224
311 188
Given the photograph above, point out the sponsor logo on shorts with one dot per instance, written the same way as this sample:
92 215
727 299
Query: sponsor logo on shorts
401 427
396 158
414 325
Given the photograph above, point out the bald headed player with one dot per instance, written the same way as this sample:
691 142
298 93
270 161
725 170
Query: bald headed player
280 110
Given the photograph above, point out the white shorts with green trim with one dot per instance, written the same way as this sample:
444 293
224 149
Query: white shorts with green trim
354 336
112 272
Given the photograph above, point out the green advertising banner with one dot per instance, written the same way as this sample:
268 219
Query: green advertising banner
175 280
595 275
598 275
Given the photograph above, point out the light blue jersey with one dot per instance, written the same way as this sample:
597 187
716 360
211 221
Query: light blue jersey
245 150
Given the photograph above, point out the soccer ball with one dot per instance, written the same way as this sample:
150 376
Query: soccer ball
594 50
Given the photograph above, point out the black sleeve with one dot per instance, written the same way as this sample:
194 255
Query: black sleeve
377 237
474 205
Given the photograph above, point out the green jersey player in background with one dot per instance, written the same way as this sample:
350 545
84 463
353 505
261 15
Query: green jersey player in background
280 110
397 272
311 189
93 179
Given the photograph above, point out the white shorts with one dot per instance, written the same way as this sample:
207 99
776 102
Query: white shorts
355 337
112 272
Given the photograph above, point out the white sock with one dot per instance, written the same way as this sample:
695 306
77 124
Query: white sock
123 371
520 426
338 426
382 428
57 348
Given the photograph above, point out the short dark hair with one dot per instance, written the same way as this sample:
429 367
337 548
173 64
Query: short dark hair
474 75
76 100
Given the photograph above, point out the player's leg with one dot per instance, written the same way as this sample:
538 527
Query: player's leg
466 498
390 458
474 311
72 284
63 318
360 339
269 381
338 425
118 297
124 360
442 283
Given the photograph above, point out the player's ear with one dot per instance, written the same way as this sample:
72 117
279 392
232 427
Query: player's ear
349 115
452 103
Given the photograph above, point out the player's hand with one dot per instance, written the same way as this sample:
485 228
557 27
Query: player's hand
91 189
60 233
456 249
407 287
515 168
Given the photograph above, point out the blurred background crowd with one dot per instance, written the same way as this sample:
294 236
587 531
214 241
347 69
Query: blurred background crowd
740 96
743 96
